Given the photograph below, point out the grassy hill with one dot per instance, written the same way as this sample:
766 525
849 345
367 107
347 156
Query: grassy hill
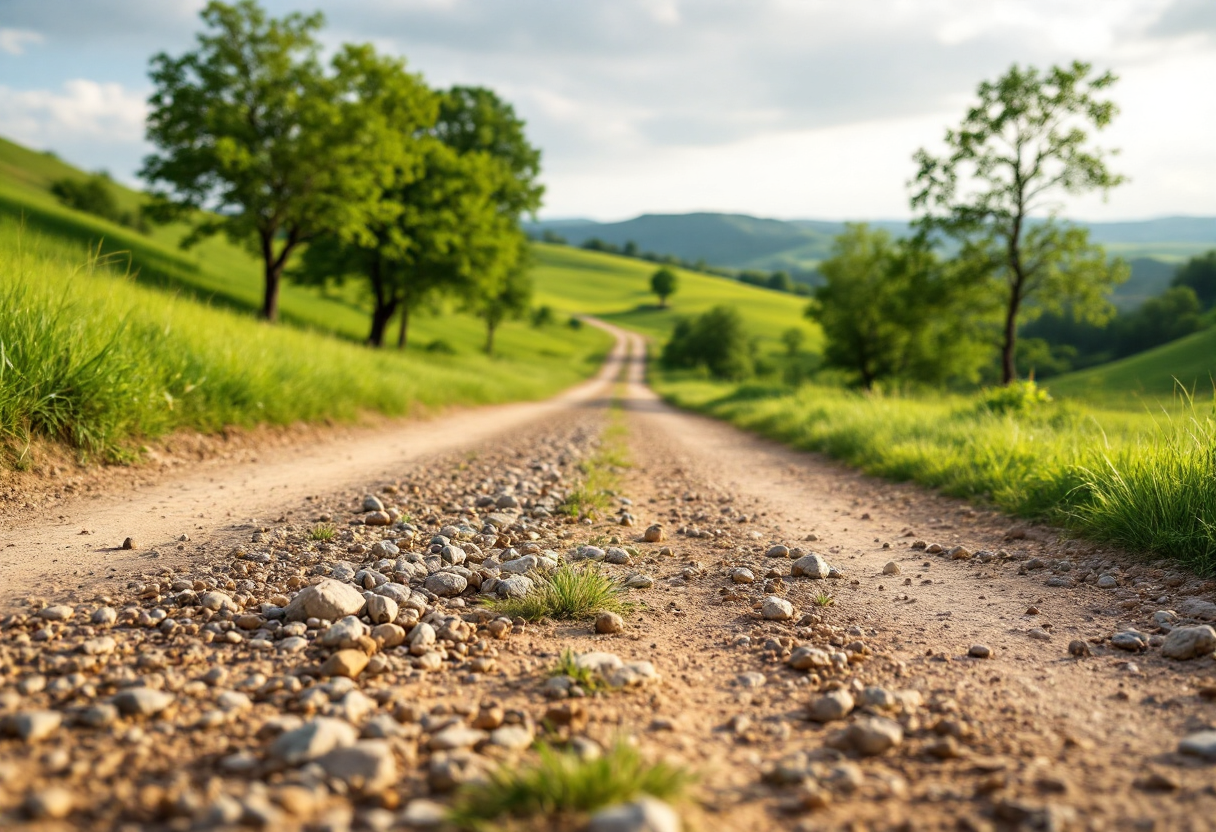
1152 375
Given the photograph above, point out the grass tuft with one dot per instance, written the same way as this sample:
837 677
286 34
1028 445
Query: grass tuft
567 592
584 677
823 599
560 788
323 532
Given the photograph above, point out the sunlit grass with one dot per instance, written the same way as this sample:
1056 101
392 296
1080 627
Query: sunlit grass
567 592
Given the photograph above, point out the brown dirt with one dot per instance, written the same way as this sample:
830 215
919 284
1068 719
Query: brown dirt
1037 739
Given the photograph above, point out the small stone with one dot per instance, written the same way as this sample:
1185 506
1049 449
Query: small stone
328 599
807 658
776 609
639 581
54 803
104 617
778 551
129 543
32 726
141 701
382 609
810 566
1039 633
56 612
750 680
891 568
1078 648
1108 582
980 651
372 503
1200 744
344 633
367 767
421 813
609 622
1129 641
446 584
642 815
1184 643
833 705
217 601
742 575
349 663
960 553
456 736
654 534
511 737
874 735
377 518
312 740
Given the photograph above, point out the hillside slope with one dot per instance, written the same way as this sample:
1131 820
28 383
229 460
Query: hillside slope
1152 375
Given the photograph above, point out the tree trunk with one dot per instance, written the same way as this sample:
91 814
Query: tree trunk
274 270
491 325
403 330
1009 369
381 315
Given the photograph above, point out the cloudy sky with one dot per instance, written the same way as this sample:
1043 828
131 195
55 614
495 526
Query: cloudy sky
780 108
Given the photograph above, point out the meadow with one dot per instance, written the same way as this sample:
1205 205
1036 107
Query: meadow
1145 480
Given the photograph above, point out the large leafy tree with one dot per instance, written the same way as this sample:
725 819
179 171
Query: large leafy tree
506 291
892 311
257 140
1015 154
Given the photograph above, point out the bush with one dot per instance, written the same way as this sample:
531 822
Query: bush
1020 397
542 316
440 347
716 341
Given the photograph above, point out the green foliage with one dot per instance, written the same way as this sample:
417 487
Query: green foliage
560 788
891 311
322 532
567 592
664 283
95 195
715 340
793 338
541 316
1020 397
1199 274
1022 145
586 678
1121 477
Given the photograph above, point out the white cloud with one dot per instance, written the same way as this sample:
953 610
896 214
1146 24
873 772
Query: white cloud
13 41
84 109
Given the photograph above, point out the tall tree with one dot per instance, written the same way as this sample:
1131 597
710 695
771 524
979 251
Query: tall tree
258 141
507 294
1016 152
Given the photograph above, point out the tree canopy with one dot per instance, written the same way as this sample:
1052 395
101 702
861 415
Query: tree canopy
1199 274
664 283
1021 148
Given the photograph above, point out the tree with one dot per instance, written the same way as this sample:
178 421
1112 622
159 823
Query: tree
1020 148
510 295
664 283
1199 273
780 282
891 310
257 141
716 340
793 338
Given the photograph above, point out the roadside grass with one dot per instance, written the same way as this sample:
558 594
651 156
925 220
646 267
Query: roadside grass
584 677
93 360
323 532
601 481
1144 481
559 790
823 599
567 593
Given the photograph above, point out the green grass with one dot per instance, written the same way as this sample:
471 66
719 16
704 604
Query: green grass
1145 481
1148 376
567 593
323 532
559 789
568 666
94 360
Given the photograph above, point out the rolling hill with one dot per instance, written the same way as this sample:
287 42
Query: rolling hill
1150 376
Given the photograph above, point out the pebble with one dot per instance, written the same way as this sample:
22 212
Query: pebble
348 663
456 736
32 726
421 813
750 680
129 543
778 551
54 803
742 575
645 814
609 622
1130 641
960 553
1184 643
833 705
367 767
891 568
810 566
141 701
980 651
328 599
312 740
807 658
874 735
1108 582
1039 633
654 534
1079 648
56 612
1200 744
776 609
446 584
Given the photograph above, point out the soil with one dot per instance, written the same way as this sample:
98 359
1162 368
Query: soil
1030 737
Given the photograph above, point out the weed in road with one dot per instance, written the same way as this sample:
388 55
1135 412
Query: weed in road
323 532
568 592
823 599
560 785
584 677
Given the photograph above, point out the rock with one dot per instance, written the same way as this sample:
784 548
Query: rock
377 518
810 566
639 581
421 813
382 609
642 815
56 612
328 599
1078 648
32 726
217 601
609 622
54 803
806 658
129 543
776 609
312 740
1039 633
980 651
891 568
960 553
344 633
1198 608
349 663
446 584
654 534
1108 581
742 575
632 675
1199 744
388 636
833 705
511 737
366 767
751 680
1130 641
104 617
456 736
617 556
778 551
516 586
1185 643
141 701
874 735
372 503
506 501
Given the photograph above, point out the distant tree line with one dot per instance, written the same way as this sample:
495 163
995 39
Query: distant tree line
96 194
350 169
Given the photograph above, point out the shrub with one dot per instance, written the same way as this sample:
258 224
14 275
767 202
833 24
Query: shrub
714 340
1019 397
568 592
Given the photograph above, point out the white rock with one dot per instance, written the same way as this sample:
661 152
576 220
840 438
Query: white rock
776 609
810 566
217 601
382 609
311 740
344 633
141 701
833 705
643 815
328 599
1189 642
366 767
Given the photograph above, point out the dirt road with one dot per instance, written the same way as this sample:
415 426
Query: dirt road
955 669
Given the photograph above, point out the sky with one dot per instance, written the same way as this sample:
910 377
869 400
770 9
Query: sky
776 108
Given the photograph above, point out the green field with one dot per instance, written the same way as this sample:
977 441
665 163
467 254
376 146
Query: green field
1151 376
